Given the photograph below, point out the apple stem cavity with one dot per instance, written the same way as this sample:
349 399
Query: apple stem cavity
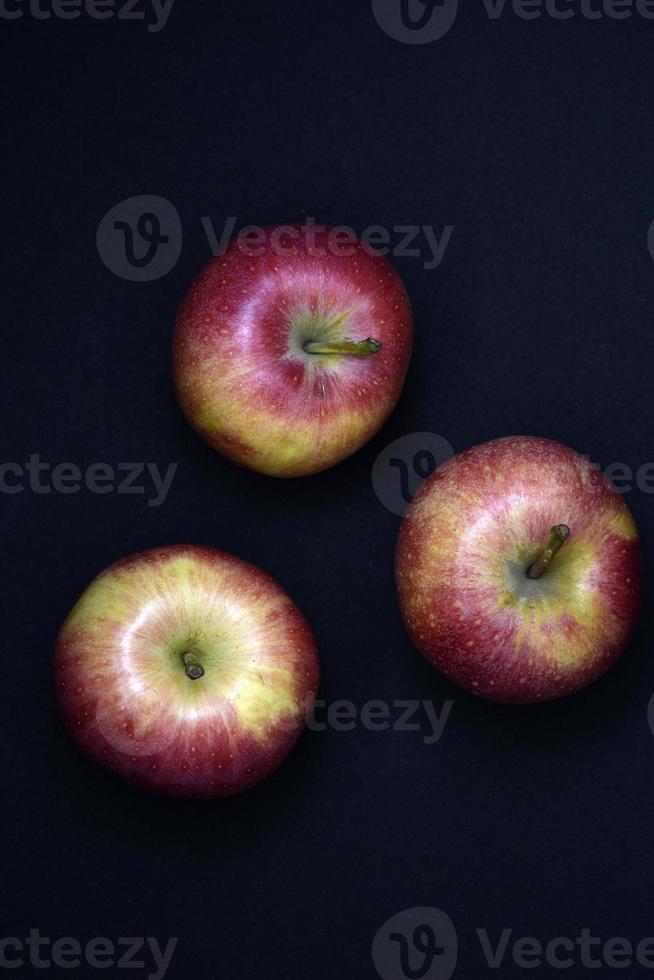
558 536
360 348
194 669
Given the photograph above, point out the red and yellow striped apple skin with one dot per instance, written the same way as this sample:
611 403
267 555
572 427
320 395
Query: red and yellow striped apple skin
124 693
240 379
486 513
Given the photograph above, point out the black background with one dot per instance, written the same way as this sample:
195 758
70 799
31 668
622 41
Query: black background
534 139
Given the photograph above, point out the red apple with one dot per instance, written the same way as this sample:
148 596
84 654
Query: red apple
186 671
290 353
518 570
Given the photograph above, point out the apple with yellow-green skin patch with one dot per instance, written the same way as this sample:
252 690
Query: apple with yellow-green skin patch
186 671
290 354
518 570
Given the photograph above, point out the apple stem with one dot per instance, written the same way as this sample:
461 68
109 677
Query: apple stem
194 669
558 536
361 348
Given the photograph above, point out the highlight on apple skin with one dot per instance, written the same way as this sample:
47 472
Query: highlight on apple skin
290 356
518 570
186 671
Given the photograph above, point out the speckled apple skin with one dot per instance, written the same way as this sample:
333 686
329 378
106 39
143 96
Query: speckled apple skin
486 513
124 693
241 376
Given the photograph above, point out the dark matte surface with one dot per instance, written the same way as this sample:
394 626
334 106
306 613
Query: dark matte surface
535 140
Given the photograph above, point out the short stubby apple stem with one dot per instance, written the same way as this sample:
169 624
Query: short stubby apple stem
194 669
360 348
558 536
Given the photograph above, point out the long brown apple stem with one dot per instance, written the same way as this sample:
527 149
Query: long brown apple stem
558 536
194 668
361 348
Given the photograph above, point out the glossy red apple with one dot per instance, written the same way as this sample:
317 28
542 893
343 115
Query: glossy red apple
518 570
186 671
290 352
